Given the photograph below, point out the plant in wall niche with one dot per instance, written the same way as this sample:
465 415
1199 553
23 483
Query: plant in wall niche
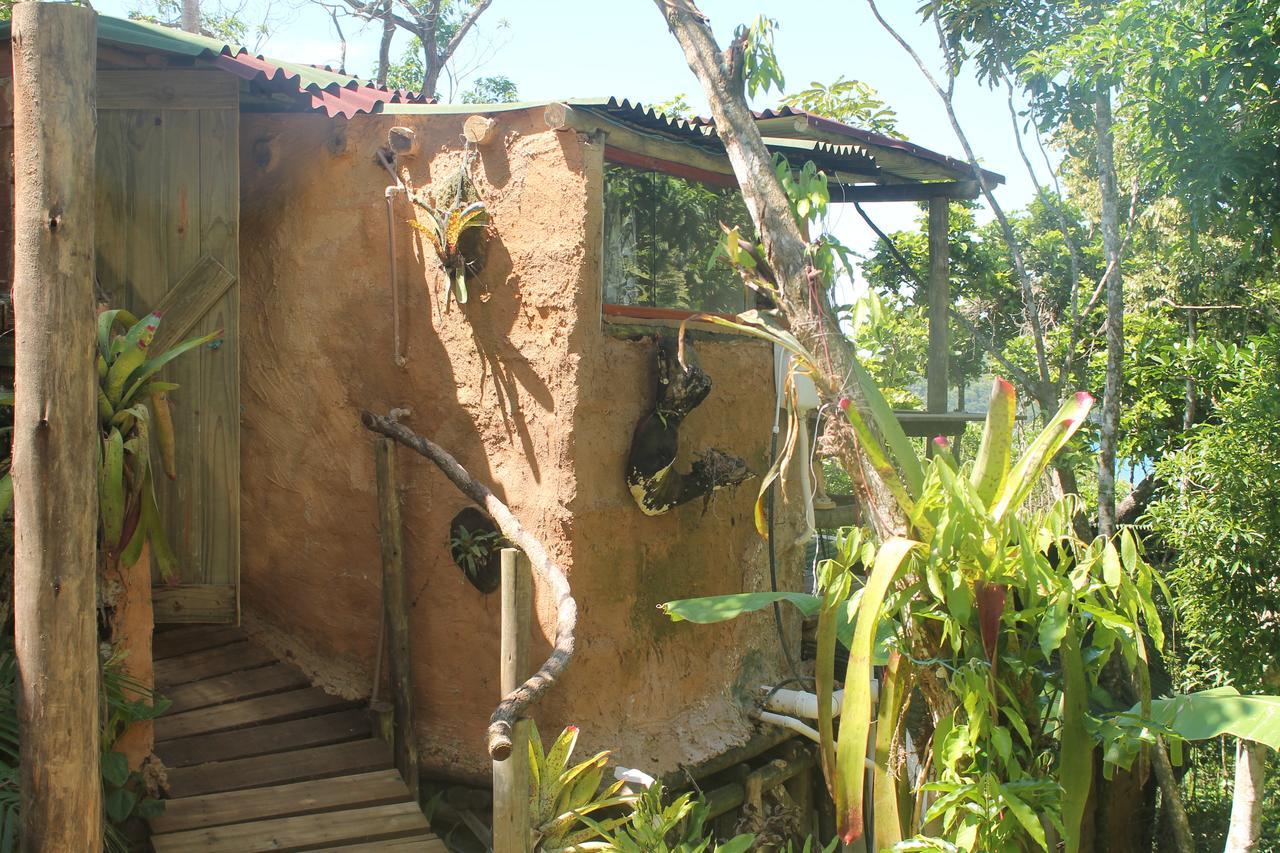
449 230
132 406
560 796
471 550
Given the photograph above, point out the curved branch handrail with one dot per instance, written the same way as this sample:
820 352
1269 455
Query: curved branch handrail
514 704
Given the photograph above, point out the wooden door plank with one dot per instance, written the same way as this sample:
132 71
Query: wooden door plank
210 662
168 644
202 603
276 708
181 500
263 771
219 443
362 789
171 89
422 844
203 285
320 730
306 832
232 687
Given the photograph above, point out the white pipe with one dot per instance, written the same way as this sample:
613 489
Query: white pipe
801 703
789 723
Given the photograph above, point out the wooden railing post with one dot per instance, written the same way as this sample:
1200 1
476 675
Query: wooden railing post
511 830
395 608
55 455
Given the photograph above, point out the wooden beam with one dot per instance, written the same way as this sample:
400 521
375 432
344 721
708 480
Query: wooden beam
189 300
54 436
903 192
939 305
395 609
168 89
511 828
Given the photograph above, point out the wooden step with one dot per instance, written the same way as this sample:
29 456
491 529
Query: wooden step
170 644
262 771
377 788
325 830
263 740
232 687
420 844
275 708
194 666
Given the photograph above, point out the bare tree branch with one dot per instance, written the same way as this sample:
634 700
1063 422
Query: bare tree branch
516 703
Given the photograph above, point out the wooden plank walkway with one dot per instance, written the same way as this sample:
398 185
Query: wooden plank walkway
259 760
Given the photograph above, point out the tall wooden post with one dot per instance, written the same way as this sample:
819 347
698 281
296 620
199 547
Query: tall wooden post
55 456
939 305
511 830
395 616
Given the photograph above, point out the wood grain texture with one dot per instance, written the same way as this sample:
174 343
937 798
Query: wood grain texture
306 832
362 789
395 610
171 89
511 777
210 662
247 684
939 357
261 771
320 730
54 437
170 198
249 712
169 644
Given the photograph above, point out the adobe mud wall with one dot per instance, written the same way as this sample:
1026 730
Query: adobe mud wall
523 386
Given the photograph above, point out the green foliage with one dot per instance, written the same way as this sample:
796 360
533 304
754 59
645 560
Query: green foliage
659 232
561 797
124 795
851 102
493 89
448 230
760 69
677 106
678 827
132 405
472 550
217 21
1220 517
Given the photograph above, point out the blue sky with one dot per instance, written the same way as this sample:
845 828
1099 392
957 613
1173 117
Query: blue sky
571 48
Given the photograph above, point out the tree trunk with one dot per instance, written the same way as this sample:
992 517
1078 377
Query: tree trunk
1115 317
191 15
54 437
803 297
384 47
1246 800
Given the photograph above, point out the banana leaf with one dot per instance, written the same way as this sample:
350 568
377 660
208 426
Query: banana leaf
1220 711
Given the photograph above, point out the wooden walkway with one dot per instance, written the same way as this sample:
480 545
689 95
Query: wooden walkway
258 759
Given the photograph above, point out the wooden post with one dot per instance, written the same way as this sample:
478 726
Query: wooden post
511 830
939 305
55 456
396 614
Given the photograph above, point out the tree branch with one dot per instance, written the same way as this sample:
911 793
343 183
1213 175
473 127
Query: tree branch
515 704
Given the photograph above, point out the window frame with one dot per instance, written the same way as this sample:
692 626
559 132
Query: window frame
650 314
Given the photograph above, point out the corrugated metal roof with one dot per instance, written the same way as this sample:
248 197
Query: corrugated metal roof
320 89
830 144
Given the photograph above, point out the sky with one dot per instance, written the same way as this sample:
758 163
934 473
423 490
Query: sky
556 49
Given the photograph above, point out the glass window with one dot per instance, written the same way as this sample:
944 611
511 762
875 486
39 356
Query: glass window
659 232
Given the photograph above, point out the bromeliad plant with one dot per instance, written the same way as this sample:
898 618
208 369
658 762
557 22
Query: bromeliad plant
446 229
561 797
1002 620
132 406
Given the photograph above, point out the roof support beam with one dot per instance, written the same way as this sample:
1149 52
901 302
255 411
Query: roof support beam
904 192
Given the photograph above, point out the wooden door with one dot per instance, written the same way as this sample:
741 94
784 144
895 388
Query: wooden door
168 208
